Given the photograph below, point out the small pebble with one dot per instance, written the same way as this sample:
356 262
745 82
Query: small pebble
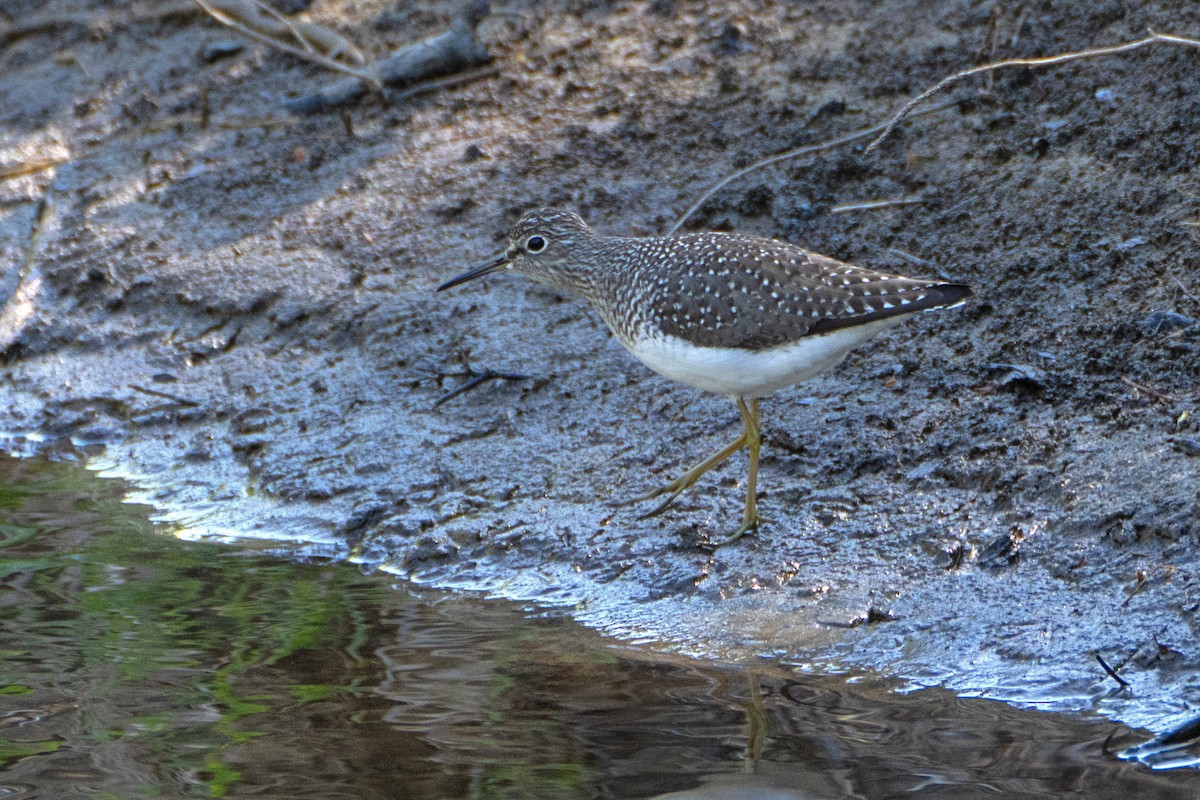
1129 244
731 41
215 51
1020 376
1003 551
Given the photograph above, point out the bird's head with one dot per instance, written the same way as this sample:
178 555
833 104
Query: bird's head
547 245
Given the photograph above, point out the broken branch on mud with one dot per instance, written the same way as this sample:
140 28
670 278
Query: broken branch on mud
309 41
1112 673
454 50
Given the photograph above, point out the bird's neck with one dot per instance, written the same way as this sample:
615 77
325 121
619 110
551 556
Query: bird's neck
589 268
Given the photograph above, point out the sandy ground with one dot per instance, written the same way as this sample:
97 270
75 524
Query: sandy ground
235 307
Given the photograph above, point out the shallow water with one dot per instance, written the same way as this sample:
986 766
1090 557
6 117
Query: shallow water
134 664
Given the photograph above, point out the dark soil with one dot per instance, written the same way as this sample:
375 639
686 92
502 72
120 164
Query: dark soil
237 306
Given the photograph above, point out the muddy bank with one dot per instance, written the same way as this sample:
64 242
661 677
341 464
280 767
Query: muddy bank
233 305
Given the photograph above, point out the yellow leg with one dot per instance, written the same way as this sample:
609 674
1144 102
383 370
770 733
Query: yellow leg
687 479
753 436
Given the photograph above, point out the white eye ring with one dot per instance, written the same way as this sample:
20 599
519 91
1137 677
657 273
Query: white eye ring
535 244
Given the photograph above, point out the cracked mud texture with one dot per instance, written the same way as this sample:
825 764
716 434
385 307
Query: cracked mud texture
240 315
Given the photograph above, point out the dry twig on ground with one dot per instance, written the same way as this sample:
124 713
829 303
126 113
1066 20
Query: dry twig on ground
451 51
797 152
884 129
306 40
31 167
1044 61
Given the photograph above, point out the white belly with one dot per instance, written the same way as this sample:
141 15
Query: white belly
750 373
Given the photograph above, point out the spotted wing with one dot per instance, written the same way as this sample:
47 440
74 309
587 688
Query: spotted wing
745 292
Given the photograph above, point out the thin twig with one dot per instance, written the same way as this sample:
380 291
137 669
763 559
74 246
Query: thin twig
1044 61
53 23
1147 390
304 37
1112 673
29 167
909 257
873 204
306 52
795 153
42 216
442 83
174 398
884 129
1186 293
1142 582
450 51
476 380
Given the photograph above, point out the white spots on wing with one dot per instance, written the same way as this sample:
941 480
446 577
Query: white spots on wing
718 288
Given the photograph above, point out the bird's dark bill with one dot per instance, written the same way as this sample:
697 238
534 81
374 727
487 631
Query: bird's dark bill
477 272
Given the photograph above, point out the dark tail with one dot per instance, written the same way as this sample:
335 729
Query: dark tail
947 295
940 295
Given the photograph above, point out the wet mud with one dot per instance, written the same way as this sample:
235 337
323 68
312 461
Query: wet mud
233 306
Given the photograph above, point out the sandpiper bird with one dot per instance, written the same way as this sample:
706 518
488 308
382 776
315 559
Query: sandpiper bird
737 315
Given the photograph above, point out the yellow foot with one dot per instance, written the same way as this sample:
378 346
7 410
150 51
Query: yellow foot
748 524
672 490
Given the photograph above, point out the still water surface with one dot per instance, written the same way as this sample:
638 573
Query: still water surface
133 664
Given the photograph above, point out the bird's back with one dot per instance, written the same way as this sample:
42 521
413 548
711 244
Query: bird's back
719 290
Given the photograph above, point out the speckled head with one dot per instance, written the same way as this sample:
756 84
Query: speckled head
548 245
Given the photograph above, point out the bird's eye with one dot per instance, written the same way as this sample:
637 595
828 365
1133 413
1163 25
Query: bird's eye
535 244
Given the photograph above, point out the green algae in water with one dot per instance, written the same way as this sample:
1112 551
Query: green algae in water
142 651
134 664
